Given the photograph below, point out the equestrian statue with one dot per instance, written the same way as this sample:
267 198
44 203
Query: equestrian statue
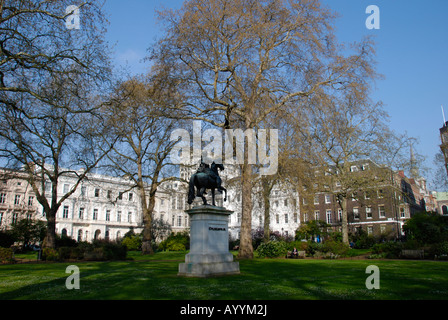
206 177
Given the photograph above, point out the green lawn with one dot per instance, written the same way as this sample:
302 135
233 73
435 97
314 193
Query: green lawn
156 277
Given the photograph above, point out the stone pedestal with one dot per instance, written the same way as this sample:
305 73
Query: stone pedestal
209 244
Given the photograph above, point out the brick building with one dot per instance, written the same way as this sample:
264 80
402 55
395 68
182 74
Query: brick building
380 209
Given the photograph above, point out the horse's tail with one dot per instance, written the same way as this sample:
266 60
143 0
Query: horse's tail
191 189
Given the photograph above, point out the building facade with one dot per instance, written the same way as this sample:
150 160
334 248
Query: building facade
17 199
105 207
102 207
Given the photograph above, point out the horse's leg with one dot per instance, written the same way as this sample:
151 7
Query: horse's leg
202 191
213 196
225 193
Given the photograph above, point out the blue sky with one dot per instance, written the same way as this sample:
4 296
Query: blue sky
412 51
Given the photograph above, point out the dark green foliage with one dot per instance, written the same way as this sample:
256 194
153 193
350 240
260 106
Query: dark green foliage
176 242
387 250
272 249
427 228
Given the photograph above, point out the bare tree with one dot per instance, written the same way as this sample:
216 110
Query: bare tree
341 130
142 153
238 61
50 80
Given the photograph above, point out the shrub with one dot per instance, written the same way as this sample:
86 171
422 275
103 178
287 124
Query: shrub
5 254
387 249
439 250
336 248
132 243
6 239
50 254
272 249
176 242
104 250
114 251
314 247
64 253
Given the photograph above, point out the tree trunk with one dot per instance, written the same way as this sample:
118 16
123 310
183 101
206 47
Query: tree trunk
246 249
343 204
148 209
50 238
267 219
147 232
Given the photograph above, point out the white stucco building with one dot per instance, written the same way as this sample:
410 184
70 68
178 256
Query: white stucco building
105 207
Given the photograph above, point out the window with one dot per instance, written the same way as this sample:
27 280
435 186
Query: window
295 217
286 218
130 196
81 213
95 214
30 200
369 212
15 216
276 203
109 194
83 190
129 216
65 212
179 221
107 215
119 216
402 213
316 215
277 218
382 228
2 197
356 213
327 198
367 195
382 211
1 218
316 199
17 199
353 169
286 202
66 187
120 196
380 194
179 202
354 196
305 217
369 230
328 215
97 193
340 215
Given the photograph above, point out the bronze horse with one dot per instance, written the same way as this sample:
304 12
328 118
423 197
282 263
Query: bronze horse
208 178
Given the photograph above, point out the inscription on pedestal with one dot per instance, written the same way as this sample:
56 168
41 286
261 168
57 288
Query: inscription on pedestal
209 244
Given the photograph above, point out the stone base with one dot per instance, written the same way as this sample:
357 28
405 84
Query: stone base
209 244
204 270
